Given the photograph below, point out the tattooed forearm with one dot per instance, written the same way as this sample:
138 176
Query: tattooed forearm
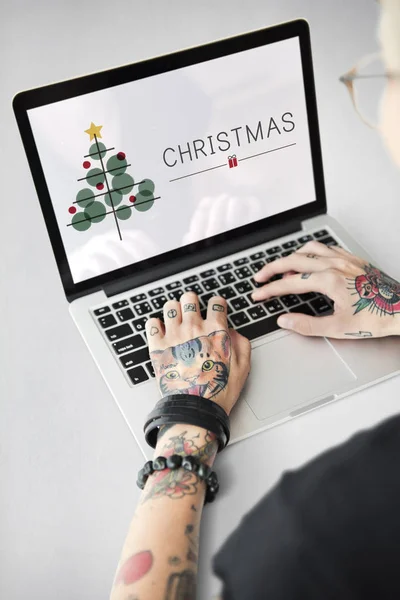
181 586
136 567
360 334
376 291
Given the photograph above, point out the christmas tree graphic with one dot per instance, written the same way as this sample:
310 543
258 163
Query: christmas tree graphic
108 177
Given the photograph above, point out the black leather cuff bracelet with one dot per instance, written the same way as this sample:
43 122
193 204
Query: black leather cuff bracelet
191 410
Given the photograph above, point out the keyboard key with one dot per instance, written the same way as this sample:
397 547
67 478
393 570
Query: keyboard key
256 312
256 284
156 292
119 332
128 344
120 304
206 297
223 268
290 300
290 244
138 298
150 369
138 375
239 319
275 277
257 256
194 288
243 287
140 324
175 295
135 358
304 239
241 261
274 250
321 234
304 309
143 308
272 258
206 274
157 315
239 303
243 272
328 241
210 284
107 321
321 305
101 311
273 306
308 296
250 299
190 279
227 292
173 285
159 302
125 315
226 278
259 328
287 253
257 266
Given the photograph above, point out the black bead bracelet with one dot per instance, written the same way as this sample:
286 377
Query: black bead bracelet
187 462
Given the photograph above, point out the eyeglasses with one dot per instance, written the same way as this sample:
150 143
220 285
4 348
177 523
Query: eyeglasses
366 82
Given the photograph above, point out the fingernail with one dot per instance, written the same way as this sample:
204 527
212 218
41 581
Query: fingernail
285 321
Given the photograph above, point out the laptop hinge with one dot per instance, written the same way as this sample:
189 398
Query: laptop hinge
201 257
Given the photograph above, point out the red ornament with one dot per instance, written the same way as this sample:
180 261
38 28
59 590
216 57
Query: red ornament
86 164
72 210
100 186
132 199
121 155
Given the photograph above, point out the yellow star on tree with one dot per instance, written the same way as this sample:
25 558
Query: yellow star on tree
94 130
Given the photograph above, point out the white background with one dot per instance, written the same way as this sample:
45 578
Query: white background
145 117
67 461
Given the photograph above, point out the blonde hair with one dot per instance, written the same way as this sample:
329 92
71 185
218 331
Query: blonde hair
389 33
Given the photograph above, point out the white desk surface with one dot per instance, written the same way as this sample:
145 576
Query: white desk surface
67 461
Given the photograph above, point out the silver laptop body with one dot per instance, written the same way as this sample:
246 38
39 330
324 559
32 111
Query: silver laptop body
224 142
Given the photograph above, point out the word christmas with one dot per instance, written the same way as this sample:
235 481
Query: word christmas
225 140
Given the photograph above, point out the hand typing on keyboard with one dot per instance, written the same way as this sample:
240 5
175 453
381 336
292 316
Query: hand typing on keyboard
198 356
366 300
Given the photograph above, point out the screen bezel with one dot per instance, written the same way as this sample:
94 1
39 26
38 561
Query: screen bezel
49 94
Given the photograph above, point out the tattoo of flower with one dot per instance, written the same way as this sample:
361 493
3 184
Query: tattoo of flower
377 291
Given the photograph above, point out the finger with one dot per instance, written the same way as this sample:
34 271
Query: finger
298 262
155 332
295 284
217 312
241 348
190 308
172 315
317 248
310 326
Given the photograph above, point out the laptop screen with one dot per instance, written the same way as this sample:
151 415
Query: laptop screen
146 167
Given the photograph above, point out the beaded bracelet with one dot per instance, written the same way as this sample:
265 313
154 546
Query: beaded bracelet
188 462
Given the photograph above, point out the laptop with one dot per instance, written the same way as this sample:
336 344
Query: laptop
189 172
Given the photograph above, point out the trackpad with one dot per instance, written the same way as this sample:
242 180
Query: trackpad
291 371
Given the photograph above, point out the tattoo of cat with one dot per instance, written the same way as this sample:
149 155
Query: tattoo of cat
172 313
376 291
154 331
199 366
181 586
189 307
218 307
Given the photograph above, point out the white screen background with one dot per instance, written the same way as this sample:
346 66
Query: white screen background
145 117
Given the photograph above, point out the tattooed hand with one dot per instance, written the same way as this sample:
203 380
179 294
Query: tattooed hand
192 355
366 300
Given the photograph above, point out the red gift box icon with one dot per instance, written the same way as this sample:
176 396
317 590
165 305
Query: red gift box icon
232 161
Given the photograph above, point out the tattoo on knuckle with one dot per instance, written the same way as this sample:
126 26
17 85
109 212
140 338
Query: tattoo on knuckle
305 275
189 307
218 307
312 256
154 330
172 313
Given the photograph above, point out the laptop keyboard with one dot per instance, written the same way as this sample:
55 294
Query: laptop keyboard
123 322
